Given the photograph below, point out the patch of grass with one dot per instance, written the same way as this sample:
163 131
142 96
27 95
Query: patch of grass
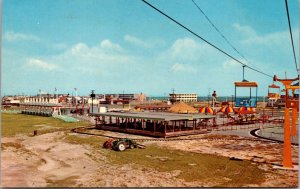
13 124
94 141
193 166
67 182
216 136
11 144
17 146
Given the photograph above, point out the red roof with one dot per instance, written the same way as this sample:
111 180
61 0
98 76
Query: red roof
245 84
274 86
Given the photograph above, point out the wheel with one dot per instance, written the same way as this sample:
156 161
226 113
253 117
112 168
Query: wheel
121 146
107 144
131 146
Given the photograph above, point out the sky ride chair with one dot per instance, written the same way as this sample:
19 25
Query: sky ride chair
246 101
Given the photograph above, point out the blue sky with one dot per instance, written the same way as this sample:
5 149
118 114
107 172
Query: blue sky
116 45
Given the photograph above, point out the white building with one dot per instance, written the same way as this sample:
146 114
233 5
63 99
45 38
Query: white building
40 99
183 97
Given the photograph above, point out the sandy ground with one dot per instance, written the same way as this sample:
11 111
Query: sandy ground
46 159
38 161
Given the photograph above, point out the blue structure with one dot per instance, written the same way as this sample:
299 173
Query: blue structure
244 101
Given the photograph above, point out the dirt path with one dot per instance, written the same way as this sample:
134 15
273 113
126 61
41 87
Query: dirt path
46 160
37 161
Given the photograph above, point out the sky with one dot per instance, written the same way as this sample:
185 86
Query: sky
112 46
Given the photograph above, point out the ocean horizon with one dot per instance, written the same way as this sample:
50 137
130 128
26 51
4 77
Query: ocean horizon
205 98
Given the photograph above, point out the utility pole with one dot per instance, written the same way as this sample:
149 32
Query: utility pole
40 93
93 96
173 96
208 97
75 96
76 99
123 99
55 92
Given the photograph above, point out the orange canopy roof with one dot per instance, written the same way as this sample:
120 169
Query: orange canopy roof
245 84
274 86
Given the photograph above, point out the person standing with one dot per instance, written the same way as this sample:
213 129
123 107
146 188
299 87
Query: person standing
214 98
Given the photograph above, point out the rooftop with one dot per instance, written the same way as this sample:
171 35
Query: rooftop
161 116
245 84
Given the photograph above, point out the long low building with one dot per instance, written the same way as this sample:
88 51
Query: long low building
48 109
153 123
183 97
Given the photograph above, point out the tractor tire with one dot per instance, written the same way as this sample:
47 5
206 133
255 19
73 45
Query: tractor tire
121 146
131 146
107 144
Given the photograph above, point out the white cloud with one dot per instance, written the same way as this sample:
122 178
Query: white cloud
36 63
189 51
105 53
196 57
177 67
105 58
108 45
146 44
276 38
229 64
79 48
136 41
58 46
185 48
245 30
12 36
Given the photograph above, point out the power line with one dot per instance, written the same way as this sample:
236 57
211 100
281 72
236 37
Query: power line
204 39
220 33
218 30
291 34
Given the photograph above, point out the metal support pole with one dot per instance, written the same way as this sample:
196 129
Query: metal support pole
173 126
165 123
93 96
123 99
194 123
287 148
235 93
134 124
244 73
